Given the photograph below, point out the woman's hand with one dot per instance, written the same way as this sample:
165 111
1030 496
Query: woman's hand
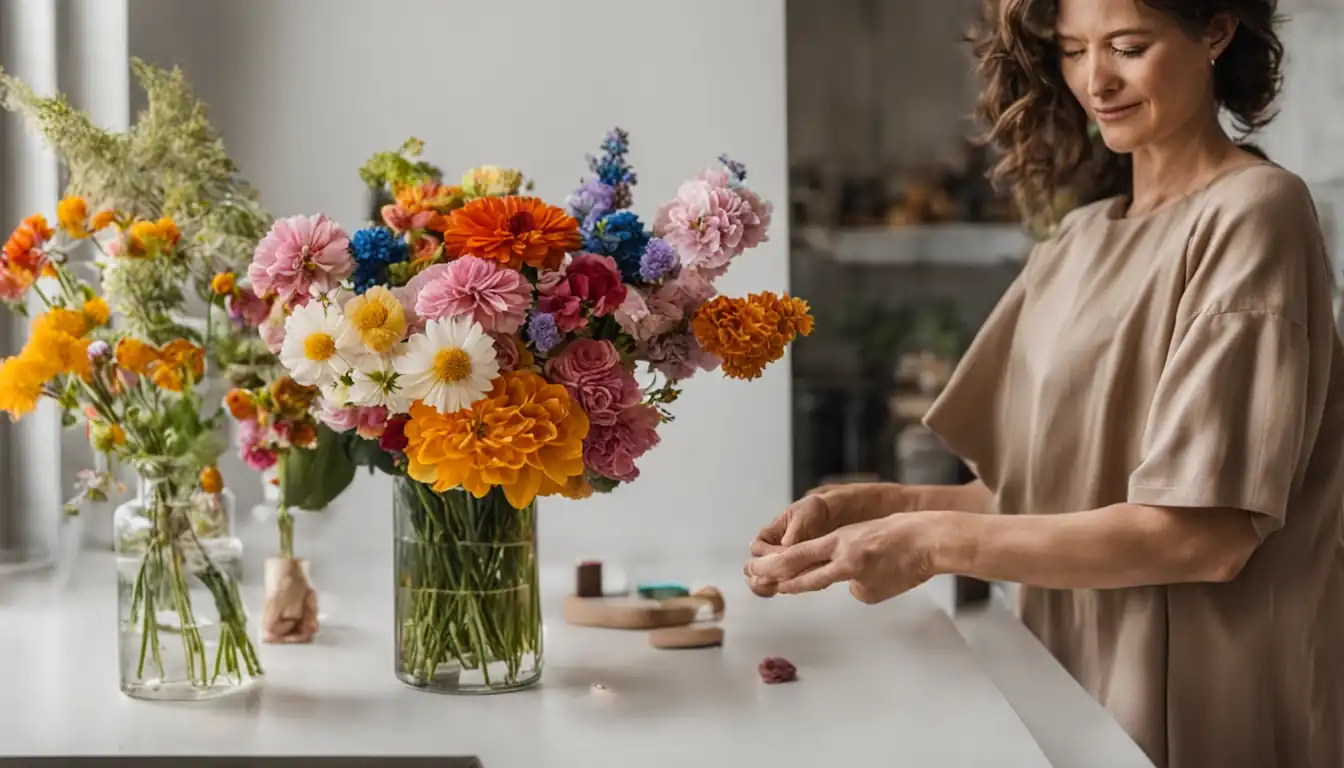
827 508
879 558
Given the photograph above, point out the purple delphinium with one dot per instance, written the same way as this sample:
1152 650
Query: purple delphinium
543 332
591 201
659 258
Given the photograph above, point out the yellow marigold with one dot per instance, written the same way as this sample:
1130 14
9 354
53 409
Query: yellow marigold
177 360
58 320
102 220
223 283
578 488
378 318
526 436
749 334
21 384
151 237
240 404
73 215
96 312
211 480
292 399
56 353
136 356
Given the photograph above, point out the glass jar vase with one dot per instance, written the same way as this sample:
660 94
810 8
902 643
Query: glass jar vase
182 626
468 608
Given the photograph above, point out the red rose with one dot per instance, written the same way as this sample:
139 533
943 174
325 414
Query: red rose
394 439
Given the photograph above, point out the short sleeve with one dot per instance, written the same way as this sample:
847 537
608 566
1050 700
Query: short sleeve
1234 403
964 414
1227 422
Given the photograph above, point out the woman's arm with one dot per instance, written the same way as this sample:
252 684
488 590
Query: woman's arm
970 497
1122 545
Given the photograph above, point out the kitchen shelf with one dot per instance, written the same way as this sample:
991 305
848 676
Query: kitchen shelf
964 244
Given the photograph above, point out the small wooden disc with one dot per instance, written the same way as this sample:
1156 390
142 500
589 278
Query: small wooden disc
625 613
686 637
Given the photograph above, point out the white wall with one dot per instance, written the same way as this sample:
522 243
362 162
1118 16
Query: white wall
305 90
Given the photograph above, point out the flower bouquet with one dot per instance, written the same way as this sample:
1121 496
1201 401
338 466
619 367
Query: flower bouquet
500 342
183 630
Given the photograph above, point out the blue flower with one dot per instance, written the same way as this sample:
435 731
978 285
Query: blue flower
377 245
659 258
543 331
621 236
613 170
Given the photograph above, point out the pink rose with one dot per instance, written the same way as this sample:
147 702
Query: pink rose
611 450
372 422
595 280
496 297
592 372
506 352
566 308
678 356
687 291
646 316
338 418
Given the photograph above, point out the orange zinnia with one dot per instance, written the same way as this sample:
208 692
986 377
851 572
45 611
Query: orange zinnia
749 334
23 250
512 231
526 436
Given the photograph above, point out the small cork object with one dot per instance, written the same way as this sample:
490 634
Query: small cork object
690 636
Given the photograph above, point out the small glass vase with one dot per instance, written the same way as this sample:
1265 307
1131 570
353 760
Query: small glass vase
182 626
212 519
468 609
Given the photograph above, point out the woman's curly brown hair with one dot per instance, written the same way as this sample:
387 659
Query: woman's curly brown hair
1042 130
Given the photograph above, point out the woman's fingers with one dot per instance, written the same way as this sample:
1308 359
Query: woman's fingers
793 561
814 580
761 548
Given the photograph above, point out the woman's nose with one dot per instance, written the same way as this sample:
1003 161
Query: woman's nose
1102 79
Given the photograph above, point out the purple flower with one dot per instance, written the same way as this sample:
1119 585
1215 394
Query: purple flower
658 259
738 170
593 200
543 331
99 351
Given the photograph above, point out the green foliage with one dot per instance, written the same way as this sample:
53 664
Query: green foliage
311 479
391 169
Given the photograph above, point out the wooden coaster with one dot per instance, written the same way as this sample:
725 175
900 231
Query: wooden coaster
626 613
686 637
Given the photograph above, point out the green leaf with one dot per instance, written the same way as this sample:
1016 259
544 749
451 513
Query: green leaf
367 453
312 478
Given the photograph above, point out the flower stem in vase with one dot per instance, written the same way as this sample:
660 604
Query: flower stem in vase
468 608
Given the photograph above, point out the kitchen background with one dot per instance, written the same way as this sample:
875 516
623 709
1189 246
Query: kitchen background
898 241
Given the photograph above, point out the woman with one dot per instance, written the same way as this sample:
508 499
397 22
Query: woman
1156 406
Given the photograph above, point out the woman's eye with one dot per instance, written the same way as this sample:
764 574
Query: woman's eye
1070 54
1132 52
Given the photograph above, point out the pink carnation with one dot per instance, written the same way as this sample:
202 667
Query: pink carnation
247 309
338 418
646 316
255 454
592 372
678 356
300 256
710 222
687 291
611 450
495 297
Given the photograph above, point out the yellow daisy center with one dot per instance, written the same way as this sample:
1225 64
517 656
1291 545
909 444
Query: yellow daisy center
319 347
452 365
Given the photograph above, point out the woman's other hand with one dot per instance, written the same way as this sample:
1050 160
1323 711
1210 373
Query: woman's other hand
827 508
879 558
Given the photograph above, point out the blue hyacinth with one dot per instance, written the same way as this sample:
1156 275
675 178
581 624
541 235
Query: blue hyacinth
374 248
621 236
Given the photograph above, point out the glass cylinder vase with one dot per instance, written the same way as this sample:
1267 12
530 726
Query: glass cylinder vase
468 609
182 627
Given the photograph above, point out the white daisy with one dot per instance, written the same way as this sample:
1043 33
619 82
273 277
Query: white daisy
449 366
320 345
377 382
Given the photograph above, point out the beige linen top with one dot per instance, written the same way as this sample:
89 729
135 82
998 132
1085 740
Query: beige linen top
1183 358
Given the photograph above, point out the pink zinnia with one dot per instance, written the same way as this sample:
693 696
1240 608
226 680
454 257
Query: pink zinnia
711 222
646 316
300 256
611 451
496 297
592 372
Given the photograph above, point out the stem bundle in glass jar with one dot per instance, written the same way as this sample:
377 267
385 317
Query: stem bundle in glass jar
468 608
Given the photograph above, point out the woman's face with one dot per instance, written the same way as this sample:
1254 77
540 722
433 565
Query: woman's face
1139 76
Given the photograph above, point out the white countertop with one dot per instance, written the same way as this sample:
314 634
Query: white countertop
878 685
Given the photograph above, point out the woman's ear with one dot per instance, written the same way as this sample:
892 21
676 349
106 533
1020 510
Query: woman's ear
1219 34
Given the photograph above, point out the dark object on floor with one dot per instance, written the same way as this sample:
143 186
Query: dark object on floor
589 579
777 670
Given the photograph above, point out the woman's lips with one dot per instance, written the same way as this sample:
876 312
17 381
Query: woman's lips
1111 114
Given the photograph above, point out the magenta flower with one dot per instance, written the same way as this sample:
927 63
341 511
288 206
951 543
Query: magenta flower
611 450
592 372
711 222
496 297
251 439
301 256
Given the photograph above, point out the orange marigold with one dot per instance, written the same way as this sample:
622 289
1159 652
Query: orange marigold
749 334
102 220
20 386
240 404
96 312
148 238
526 437
136 356
55 353
292 399
23 250
61 321
73 215
177 360
512 231
211 480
